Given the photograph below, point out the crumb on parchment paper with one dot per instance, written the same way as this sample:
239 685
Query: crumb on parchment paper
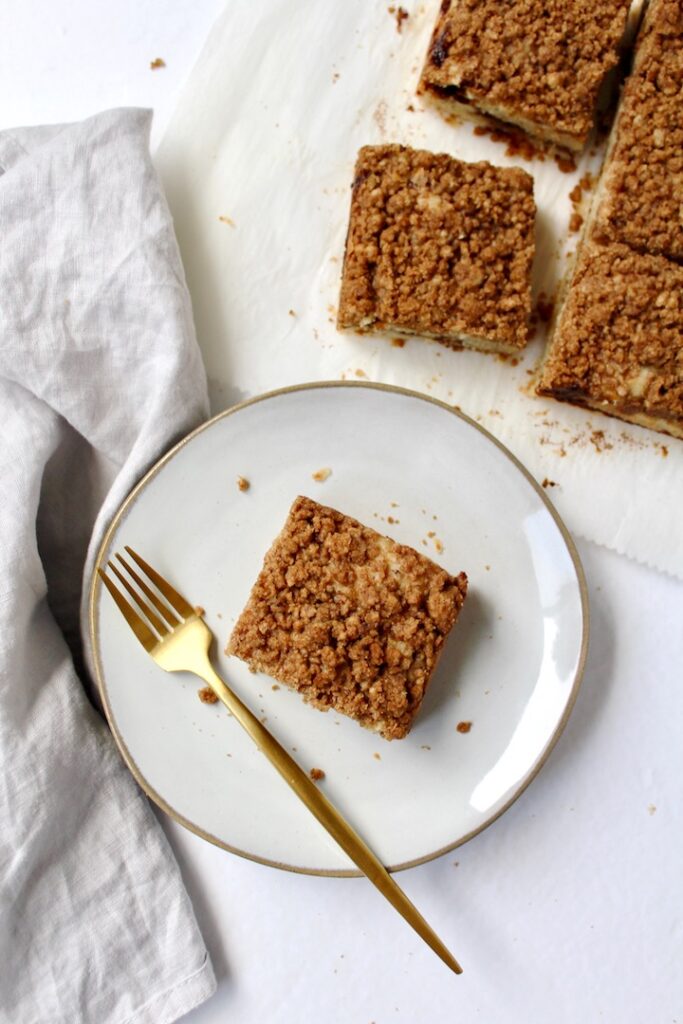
242 483
157 63
321 475
464 726
317 774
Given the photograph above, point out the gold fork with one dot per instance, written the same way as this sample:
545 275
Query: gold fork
179 640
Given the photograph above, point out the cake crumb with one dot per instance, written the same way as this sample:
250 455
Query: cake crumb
207 696
664 450
464 726
227 220
242 483
575 223
565 162
290 312
321 475
377 757
400 15
548 483
157 63
317 774
438 545
275 687
360 373
398 342
199 610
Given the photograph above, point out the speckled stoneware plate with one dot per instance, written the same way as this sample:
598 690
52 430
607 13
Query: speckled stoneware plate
511 667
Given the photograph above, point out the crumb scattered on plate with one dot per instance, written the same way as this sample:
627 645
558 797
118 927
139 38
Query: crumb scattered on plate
242 483
464 726
157 63
227 220
317 774
199 610
207 696
321 475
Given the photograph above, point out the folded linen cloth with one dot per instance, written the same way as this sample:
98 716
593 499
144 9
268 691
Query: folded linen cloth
99 373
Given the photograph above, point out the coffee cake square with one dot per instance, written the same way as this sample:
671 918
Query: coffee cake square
440 248
617 345
537 64
640 195
351 619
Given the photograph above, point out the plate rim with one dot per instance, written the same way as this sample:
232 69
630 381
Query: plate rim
93 622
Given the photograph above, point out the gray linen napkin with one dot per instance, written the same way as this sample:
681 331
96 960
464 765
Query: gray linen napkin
99 373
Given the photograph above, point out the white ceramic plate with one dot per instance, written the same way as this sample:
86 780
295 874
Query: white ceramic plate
512 665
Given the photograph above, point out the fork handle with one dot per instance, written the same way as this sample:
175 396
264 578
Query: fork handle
328 816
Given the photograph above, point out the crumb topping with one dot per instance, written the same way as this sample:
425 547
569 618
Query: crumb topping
437 246
317 774
542 59
643 182
618 343
349 618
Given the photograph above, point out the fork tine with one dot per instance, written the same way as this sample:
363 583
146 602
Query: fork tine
147 611
175 599
140 628
162 608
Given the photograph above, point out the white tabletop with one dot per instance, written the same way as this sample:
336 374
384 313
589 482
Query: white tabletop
568 909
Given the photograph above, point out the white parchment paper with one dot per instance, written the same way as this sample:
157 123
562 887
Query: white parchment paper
257 164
